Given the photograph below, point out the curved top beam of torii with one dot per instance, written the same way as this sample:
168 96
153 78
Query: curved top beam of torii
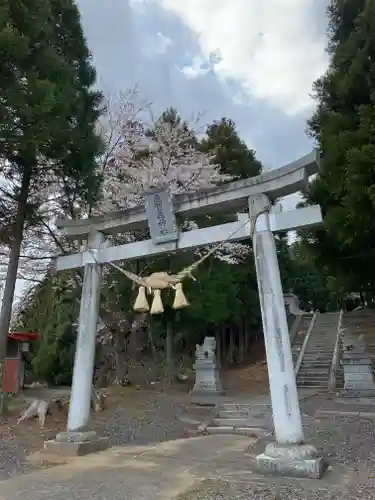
275 183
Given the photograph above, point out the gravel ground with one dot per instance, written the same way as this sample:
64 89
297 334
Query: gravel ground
12 460
347 441
232 492
152 420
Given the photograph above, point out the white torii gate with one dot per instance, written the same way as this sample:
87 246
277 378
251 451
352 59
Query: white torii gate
289 454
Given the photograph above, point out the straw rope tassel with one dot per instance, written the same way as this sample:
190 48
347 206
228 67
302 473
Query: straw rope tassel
164 280
157 303
141 304
180 300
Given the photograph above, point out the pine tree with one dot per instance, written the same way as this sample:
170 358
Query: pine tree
48 112
230 151
344 126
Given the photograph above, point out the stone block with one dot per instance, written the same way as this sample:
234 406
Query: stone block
361 401
219 430
356 361
235 422
76 444
359 385
352 394
300 461
357 368
357 377
354 355
257 432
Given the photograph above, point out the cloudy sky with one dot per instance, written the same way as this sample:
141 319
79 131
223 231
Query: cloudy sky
253 61
250 60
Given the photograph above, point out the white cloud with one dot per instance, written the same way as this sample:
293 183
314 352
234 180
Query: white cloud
157 44
270 47
127 50
197 68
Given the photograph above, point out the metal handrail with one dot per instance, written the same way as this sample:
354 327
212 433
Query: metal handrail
304 345
335 355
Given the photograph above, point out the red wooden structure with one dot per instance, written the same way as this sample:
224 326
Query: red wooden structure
14 363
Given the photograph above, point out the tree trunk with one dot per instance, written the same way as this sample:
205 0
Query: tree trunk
219 351
241 343
231 347
246 333
151 342
121 364
11 277
169 352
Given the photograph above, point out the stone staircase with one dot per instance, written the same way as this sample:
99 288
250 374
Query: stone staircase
316 364
240 418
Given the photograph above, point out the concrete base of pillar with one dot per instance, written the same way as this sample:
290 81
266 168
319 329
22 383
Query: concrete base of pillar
291 460
75 444
202 394
357 393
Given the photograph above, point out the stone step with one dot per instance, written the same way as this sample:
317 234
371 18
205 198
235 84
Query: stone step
317 343
311 355
304 373
235 406
320 342
256 432
313 381
231 422
315 366
328 328
325 350
320 367
313 374
315 377
324 331
321 382
320 346
232 414
316 361
312 384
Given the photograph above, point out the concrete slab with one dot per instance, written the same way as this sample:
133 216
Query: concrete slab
78 448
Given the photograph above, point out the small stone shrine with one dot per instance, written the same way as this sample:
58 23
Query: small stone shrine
357 367
207 379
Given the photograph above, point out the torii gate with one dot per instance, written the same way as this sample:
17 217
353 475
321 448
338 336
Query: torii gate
289 454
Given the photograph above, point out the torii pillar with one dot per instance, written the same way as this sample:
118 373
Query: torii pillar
289 455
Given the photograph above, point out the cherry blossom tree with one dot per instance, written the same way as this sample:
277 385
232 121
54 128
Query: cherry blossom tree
159 152
141 152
